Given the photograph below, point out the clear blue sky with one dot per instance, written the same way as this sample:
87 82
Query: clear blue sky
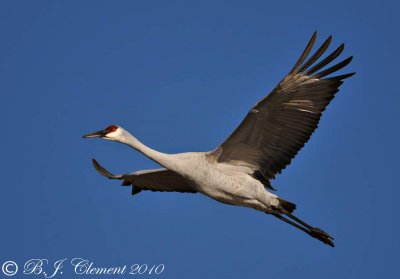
181 75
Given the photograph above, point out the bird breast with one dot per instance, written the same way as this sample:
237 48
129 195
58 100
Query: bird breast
219 181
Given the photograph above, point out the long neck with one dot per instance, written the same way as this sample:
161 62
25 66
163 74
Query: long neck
163 159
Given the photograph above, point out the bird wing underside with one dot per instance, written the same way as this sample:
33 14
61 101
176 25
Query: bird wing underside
159 180
278 126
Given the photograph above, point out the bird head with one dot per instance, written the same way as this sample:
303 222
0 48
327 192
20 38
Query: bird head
112 132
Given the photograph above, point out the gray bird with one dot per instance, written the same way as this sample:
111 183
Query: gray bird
238 172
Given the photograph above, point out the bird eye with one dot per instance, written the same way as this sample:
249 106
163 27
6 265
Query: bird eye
111 128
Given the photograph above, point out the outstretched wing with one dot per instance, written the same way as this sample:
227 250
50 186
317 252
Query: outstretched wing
161 180
279 125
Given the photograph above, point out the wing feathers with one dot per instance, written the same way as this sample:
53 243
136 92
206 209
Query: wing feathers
325 61
305 52
316 55
105 172
335 68
162 180
268 140
341 77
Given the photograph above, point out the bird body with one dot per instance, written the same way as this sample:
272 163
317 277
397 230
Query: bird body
203 173
223 182
238 172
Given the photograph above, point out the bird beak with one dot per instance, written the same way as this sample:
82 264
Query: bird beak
97 134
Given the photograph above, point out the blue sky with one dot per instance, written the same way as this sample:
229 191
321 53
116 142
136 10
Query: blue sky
181 75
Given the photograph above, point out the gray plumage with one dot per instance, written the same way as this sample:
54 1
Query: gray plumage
158 180
239 171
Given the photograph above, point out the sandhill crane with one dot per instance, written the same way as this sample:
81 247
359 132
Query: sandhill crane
238 172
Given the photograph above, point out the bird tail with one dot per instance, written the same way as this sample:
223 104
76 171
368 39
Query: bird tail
286 206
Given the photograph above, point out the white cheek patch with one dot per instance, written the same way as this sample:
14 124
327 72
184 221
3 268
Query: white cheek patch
116 135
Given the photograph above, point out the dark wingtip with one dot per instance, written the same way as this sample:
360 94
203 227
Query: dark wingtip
103 171
96 165
99 168
351 74
321 50
305 53
346 75
334 68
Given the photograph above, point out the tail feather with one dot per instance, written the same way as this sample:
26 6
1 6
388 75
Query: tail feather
286 206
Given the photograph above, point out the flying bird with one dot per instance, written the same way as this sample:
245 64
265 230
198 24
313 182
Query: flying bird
240 170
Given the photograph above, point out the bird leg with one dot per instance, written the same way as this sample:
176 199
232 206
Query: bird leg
291 223
314 232
305 224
